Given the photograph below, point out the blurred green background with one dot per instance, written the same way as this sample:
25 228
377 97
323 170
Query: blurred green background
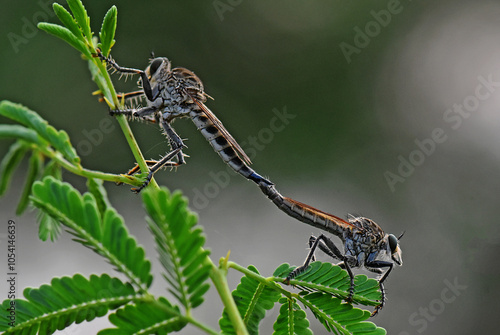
393 114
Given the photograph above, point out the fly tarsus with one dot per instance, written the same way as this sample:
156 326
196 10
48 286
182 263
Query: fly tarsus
126 112
159 164
327 246
382 301
297 271
140 112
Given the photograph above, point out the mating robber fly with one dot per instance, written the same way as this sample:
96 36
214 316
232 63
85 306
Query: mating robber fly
176 93
365 243
172 93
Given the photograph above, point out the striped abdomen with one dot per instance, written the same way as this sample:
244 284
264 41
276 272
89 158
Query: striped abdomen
223 147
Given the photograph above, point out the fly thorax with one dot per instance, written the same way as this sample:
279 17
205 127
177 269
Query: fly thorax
158 103
172 111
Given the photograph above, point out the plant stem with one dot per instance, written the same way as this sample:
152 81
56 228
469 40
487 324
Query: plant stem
219 278
202 326
122 120
134 147
80 171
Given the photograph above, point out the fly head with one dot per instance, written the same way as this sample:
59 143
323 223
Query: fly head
393 249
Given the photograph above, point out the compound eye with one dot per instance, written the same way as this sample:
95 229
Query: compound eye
393 243
155 64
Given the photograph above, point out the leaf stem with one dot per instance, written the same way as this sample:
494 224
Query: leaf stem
270 281
105 79
202 326
80 171
219 278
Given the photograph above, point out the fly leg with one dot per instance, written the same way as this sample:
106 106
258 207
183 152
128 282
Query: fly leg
174 140
158 165
149 163
140 112
177 146
146 85
327 246
375 266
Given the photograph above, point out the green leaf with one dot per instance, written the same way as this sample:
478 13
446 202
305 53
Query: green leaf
155 317
9 163
66 35
64 302
332 279
179 244
96 188
20 132
68 20
34 173
108 29
324 286
292 320
252 299
53 169
105 234
58 139
80 14
48 227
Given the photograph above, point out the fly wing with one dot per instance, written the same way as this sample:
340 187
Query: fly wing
218 124
330 217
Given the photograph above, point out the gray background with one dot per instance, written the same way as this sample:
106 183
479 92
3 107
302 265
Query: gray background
355 119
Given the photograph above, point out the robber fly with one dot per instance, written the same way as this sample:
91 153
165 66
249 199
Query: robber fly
176 93
365 243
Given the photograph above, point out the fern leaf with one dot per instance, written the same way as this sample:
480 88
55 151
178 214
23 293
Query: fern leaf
9 163
332 279
34 173
105 234
80 14
48 227
252 299
292 320
53 169
19 132
64 302
68 20
324 286
96 188
108 28
154 317
58 139
179 244
66 35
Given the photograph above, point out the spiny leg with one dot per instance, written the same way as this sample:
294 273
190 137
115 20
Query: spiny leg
137 112
149 163
156 167
375 266
174 140
130 95
125 96
326 245
146 85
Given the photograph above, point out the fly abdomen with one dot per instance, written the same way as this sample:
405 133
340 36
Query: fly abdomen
222 146
305 213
